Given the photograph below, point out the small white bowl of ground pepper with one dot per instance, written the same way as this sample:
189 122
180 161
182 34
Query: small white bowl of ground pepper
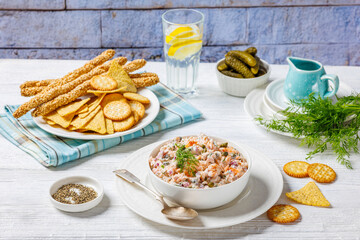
76 193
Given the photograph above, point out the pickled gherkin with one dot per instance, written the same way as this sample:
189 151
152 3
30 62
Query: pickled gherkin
245 57
232 74
261 72
251 50
238 66
222 66
255 69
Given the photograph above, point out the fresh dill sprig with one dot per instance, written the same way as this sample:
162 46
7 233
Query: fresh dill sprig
322 124
185 159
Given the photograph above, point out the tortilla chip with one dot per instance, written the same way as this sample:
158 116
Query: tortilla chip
60 120
97 124
80 122
83 109
92 106
121 77
71 107
310 194
109 126
99 92
50 122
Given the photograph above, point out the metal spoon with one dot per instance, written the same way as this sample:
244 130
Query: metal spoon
177 213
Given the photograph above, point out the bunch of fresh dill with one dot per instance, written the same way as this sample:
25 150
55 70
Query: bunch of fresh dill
320 124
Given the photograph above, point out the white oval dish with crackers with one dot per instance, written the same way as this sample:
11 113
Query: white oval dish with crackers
151 111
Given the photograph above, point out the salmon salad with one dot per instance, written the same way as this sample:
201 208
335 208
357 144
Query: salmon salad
198 162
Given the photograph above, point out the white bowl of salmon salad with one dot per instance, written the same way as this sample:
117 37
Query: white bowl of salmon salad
199 172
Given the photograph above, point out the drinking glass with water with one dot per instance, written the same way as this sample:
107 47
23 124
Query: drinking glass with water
183 33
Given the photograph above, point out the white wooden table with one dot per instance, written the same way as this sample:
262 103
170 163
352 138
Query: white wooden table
26 212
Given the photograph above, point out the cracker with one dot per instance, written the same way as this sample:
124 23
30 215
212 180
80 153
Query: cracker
109 126
111 97
136 97
136 117
97 123
296 169
321 173
71 107
120 126
310 194
117 110
103 83
283 213
79 122
137 107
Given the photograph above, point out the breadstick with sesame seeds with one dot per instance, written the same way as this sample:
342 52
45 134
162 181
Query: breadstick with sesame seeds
145 81
31 91
62 100
140 75
36 83
134 65
103 57
46 96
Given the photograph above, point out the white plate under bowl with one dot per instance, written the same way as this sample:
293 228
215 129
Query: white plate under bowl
150 114
84 180
262 192
255 106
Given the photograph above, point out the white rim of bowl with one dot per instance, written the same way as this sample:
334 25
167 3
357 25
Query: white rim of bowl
207 189
100 192
266 64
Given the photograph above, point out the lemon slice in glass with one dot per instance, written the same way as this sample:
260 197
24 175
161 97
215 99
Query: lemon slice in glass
185 49
185 36
175 32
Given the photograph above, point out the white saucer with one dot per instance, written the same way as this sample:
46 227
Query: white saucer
274 94
255 106
262 192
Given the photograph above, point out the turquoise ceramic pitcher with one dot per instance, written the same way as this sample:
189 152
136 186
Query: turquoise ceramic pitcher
306 76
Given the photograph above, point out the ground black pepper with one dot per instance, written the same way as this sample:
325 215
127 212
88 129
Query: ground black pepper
74 194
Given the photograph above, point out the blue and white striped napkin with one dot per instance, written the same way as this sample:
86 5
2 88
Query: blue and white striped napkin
51 150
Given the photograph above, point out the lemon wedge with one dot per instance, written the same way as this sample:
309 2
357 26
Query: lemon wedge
177 31
185 49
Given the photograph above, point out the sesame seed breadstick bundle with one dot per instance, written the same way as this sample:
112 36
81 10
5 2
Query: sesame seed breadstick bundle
46 96
103 57
35 87
62 100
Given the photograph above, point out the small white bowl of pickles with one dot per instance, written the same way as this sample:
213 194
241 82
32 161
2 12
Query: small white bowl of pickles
241 71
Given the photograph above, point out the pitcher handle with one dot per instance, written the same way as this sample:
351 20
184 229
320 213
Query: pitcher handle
334 79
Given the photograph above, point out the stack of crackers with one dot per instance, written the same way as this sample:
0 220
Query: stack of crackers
99 97
310 194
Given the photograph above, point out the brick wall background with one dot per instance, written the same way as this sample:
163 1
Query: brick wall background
326 30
